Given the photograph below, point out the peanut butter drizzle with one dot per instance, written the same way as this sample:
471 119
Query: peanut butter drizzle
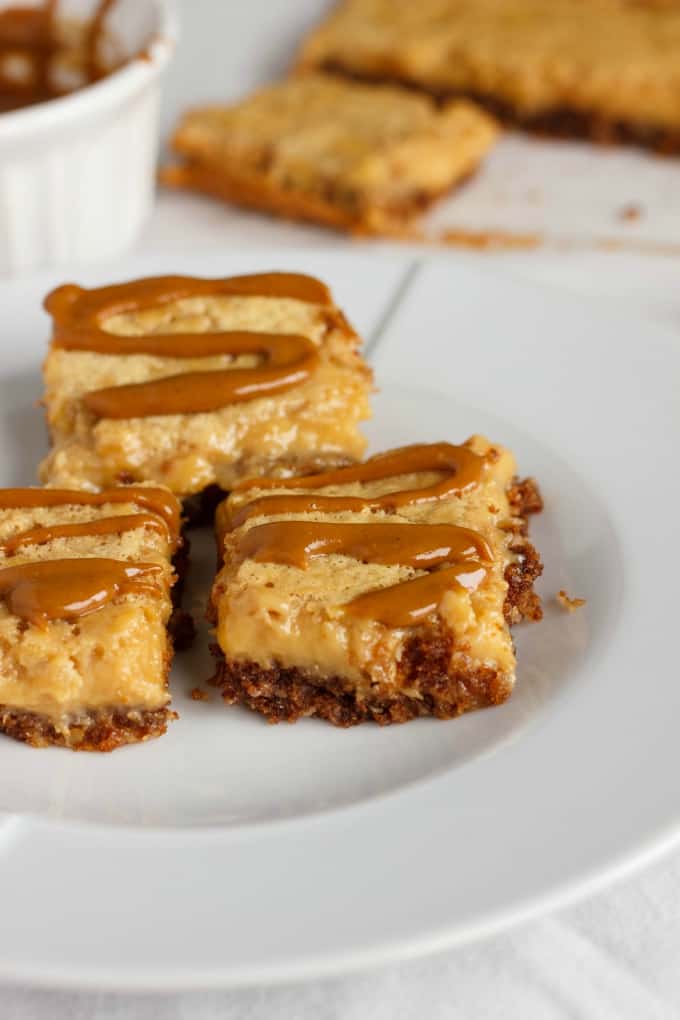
103 526
69 589
157 501
288 359
420 546
461 468
31 33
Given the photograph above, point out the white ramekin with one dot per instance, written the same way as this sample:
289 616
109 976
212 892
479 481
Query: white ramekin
77 174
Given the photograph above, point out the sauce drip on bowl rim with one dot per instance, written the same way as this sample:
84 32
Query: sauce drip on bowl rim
29 43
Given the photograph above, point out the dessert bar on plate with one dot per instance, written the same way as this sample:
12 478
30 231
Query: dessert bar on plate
85 607
350 156
196 383
606 69
380 591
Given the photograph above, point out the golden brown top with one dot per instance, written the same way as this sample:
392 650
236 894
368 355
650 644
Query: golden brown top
460 552
287 359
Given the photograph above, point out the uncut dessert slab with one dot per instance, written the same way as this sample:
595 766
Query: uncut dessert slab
609 75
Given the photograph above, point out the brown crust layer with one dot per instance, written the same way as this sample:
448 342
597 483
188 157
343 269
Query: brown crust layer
256 192
285 695
522 602
558 122
101 730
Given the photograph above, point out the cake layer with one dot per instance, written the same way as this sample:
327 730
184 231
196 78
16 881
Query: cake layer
196 383
318 148
85 607
357 582
604 68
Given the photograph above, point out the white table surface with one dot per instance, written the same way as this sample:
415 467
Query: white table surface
616 955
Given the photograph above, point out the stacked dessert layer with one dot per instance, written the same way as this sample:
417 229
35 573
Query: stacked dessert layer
85 606
382 591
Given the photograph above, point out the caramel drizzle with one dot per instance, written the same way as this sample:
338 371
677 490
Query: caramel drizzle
421 546
158 501
69 589
103 526
287 359
454 557
462 469
31 34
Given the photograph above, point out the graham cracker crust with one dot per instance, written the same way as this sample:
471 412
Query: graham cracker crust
286 695
100 730
559 122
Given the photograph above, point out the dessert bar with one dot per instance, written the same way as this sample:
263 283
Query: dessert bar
381 591
196 384
85 607
354 157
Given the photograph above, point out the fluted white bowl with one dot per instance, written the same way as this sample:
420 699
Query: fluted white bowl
77 174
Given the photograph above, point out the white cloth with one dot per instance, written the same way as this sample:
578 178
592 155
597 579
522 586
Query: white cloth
615 957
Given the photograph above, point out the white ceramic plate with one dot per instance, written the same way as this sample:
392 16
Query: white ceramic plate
231 852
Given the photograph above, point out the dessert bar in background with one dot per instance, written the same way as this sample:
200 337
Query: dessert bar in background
382 591
604 69
197 384
85 612
355 157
